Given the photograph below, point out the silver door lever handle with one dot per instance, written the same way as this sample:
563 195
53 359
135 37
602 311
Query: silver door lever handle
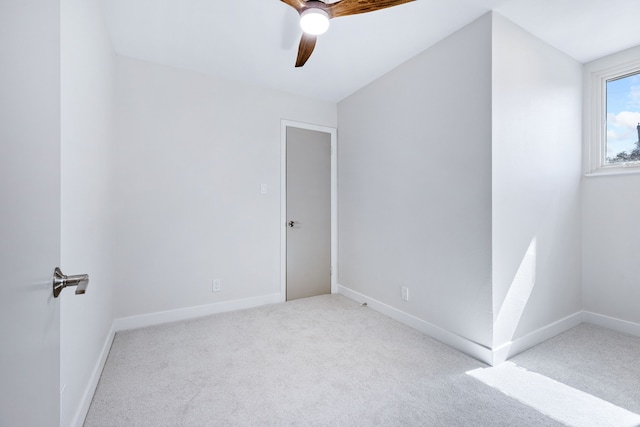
61 281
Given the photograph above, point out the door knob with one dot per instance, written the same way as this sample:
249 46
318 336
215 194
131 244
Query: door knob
291 224
61 281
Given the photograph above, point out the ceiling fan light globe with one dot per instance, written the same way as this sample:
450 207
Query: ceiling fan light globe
314 21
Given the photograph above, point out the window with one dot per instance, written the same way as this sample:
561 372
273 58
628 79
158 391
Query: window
615 120
623 120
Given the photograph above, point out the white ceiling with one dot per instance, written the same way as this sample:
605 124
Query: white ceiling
256 41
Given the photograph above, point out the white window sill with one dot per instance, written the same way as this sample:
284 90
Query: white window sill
620 170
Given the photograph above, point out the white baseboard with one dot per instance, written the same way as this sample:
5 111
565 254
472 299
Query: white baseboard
619 325
511 348
186 313
487 355
465 345
83 409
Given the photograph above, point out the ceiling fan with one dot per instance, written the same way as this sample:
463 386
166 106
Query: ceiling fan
315 16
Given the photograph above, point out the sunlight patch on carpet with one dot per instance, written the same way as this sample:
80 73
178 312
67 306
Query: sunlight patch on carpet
554 399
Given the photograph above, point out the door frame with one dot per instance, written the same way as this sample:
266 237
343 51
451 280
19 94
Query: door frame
284 124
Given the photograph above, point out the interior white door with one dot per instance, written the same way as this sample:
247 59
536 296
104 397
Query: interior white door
308 213
29 212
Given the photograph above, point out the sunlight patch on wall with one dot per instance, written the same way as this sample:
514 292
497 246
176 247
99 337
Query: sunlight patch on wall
516 299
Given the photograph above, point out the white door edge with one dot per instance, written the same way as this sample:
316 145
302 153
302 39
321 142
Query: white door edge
284 124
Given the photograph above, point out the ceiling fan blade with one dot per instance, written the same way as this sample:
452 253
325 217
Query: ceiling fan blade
353 7
296 4
307 44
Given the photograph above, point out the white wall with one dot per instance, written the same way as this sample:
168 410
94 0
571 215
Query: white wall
536 183
415 185
86 227
611 249
611 236
459 177
190 155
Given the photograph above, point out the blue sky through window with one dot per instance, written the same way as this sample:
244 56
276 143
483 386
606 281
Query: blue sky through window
623 114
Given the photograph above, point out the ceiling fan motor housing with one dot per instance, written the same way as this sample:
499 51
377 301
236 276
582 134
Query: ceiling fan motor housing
314 21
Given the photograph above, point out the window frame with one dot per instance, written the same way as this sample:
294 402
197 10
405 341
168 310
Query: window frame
598 120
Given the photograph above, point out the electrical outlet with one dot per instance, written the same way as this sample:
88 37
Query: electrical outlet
216 285
405 293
